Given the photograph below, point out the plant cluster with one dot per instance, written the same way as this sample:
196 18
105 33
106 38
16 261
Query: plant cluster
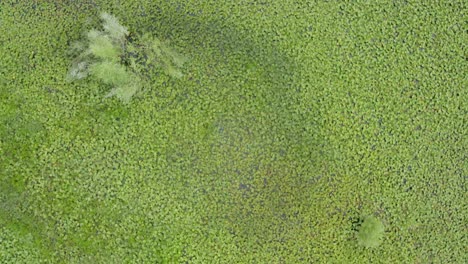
112 57
370 232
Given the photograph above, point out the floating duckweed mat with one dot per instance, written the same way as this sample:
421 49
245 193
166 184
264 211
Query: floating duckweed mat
292 122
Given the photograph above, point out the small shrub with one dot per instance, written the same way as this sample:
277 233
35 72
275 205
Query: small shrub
124 92
111 73
370 233
78 71
115 31
160 54
111 58
102 47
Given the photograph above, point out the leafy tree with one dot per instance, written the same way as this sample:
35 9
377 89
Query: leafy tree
370 232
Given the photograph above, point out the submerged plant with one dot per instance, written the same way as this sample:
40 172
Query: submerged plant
110 57
370 233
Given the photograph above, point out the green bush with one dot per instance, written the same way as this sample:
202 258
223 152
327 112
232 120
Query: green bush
370 232
109 57
124 92
111 73
101 46
116 32
163 56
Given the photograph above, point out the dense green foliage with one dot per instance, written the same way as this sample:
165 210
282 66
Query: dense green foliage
100 56
292 120
104 55
370 232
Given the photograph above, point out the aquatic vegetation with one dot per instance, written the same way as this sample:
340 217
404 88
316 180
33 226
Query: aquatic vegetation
111 58
370 232
291 121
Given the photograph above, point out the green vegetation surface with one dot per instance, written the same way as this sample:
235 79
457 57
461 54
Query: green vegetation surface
291 123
